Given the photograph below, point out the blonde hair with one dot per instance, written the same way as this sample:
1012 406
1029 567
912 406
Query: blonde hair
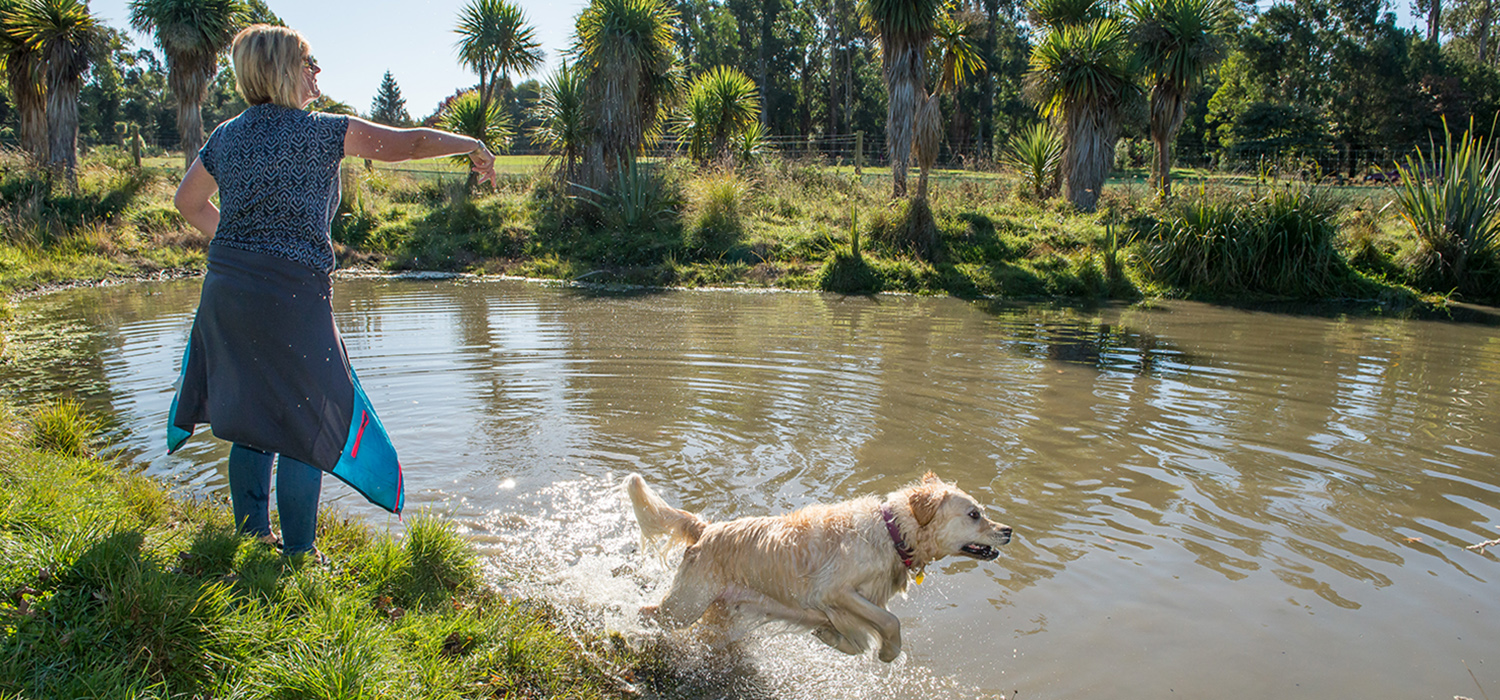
268 63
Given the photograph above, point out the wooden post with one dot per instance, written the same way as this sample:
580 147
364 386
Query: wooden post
135 144
859 153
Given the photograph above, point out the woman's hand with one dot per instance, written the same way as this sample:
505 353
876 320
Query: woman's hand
482 162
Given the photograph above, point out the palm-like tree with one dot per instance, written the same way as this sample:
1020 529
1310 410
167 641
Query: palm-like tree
720 105
24 75
67 35
1056 14
956 53
1179 41
192 34
1082 77
905 27
563 119
494 40
631 73
470 115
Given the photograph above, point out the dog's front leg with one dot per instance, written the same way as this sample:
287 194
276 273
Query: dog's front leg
694 588
830 636
885 624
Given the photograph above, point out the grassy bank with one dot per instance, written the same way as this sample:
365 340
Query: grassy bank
779 224
115 589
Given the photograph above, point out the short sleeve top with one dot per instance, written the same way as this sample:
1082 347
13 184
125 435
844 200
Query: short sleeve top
277 170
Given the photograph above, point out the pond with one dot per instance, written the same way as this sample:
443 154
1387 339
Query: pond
1208 502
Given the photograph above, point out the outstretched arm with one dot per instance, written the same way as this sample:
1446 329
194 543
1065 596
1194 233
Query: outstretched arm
389 144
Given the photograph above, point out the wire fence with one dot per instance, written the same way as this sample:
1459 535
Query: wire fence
1315 161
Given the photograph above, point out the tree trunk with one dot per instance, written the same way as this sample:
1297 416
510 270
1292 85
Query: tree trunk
1484 32
768 10
987 114
1168 111
928 138
905 75
1088 155
62 127
187 77
1434 18
31 108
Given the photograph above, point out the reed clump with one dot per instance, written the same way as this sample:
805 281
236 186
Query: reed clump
1277 242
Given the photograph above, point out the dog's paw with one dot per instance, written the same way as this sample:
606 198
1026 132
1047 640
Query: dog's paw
830 636
649 612
889 652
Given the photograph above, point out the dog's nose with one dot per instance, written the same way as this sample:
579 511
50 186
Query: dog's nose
1005 532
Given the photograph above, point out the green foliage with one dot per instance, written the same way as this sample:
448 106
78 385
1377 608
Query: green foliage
628 57
1056 14
1180 40
495 41
1082 65
1083 77
470 115
1450 196
1279 243
848 273
720 106
718 219
117 590
192 34
389 107
1035 153
902 18
63 426
638 216
563 120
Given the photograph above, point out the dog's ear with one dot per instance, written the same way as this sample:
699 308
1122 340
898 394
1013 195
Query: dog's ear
924 502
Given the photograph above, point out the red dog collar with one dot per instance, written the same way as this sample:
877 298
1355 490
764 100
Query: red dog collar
906 553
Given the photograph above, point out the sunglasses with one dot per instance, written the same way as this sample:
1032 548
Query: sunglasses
311 63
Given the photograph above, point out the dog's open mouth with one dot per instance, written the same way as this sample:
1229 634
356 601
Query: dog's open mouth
980 551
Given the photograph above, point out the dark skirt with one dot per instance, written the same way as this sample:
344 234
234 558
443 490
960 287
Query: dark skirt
266 368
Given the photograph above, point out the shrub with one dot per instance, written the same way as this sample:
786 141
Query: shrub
718 216
1036 155
1279 243
638 216
1450 195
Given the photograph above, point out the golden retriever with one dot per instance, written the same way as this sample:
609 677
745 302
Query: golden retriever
828 568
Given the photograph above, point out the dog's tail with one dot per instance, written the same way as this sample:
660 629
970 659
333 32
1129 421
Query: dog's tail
658 519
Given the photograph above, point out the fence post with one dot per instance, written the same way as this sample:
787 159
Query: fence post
859 153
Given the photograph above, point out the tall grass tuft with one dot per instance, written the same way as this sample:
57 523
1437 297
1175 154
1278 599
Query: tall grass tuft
718 218
639 216
1450 195
1036 155
64 426
1279 243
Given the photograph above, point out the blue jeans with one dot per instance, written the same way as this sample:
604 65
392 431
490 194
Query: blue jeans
297 488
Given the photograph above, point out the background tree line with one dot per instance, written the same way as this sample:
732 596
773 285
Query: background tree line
1337 83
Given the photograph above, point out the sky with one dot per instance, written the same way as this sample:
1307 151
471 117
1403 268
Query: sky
356 42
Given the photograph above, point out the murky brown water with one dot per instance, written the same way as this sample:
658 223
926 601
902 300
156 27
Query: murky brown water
1208 502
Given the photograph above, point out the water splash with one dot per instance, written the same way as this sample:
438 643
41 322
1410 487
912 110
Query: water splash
583 554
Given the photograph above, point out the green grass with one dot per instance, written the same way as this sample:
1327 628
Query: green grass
781 223
112 588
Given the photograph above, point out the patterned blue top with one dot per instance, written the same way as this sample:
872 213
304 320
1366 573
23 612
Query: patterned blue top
278 174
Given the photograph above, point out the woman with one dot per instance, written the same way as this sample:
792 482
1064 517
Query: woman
265 365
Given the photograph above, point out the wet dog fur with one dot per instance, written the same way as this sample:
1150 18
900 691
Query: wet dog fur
828 568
